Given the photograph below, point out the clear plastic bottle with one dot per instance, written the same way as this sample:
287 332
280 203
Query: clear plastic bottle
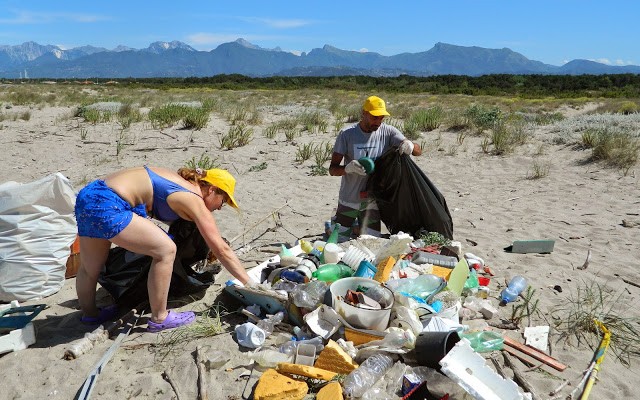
368 373
517 284
269 323
310 294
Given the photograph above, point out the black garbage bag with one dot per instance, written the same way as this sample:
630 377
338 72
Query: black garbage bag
125 274
407 199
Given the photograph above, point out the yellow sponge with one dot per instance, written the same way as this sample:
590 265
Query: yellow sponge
275 386
333 358
332 391
442 272
384 269
305 370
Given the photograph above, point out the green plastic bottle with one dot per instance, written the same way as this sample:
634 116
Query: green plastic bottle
333 238
332 272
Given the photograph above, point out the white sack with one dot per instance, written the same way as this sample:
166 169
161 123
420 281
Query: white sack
37 228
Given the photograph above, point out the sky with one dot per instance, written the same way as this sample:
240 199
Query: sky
551 31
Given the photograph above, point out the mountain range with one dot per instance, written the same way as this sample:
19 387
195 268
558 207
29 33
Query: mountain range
177 59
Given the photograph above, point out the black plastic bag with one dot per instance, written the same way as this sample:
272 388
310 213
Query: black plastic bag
125 275
407 199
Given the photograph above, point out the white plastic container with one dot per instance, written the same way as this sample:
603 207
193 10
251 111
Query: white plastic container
353 257
249 335
332 253
360 317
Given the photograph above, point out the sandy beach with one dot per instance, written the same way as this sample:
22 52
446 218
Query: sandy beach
582 205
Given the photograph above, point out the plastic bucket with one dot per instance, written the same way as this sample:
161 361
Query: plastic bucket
360 317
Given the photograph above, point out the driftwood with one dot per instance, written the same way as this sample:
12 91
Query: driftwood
202 376
586 262
167 378
518 376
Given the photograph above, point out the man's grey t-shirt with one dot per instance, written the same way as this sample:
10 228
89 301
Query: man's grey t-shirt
353 144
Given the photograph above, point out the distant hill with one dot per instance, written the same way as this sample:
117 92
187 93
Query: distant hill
177 59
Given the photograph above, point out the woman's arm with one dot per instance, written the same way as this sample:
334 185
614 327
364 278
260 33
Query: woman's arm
196 211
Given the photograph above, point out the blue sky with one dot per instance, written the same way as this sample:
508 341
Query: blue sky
551 31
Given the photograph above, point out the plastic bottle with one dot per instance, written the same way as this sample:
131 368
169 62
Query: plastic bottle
517 284
332 272
269 323
333 238
310 294
250 335
293 276
369 372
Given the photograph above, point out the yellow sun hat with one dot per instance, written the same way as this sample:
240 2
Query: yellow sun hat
375 106
223 180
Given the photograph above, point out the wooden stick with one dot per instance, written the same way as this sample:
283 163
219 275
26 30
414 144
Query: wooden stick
630 282
519 376
496 364
202 377
257 223
535 353
167 378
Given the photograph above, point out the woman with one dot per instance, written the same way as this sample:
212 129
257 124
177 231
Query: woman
115 210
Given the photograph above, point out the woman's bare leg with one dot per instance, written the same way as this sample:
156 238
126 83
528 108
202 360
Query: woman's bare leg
143 237
93 255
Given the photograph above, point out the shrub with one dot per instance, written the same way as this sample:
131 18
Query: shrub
196 119
238 136
204 162
427 120
322 152
483 117
303 153
167 115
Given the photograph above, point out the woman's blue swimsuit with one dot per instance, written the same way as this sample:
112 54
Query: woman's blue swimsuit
101 212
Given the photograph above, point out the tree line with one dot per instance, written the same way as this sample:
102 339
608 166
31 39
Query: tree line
525 86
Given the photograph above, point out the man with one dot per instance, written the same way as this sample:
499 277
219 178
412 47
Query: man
368 138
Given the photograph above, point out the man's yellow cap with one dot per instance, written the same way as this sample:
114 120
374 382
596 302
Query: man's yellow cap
375 106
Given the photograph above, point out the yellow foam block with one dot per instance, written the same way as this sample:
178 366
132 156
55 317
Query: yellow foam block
275 386
384 269
359 337
442 272
332 391
305 370
333 358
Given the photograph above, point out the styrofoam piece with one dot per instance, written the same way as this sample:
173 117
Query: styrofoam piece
323 321
468 369
537 336
18 339
397 244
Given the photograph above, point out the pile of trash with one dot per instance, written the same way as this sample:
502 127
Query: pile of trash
375 318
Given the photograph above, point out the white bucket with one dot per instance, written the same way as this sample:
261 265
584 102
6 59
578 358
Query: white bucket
360 317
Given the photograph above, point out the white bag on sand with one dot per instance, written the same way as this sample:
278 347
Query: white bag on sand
37 228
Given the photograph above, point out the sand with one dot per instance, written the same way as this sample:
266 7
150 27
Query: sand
579 204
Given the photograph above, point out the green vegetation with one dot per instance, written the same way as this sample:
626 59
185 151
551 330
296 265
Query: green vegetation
238 136
204 162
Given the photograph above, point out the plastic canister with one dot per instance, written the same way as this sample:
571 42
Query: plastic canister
250 335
